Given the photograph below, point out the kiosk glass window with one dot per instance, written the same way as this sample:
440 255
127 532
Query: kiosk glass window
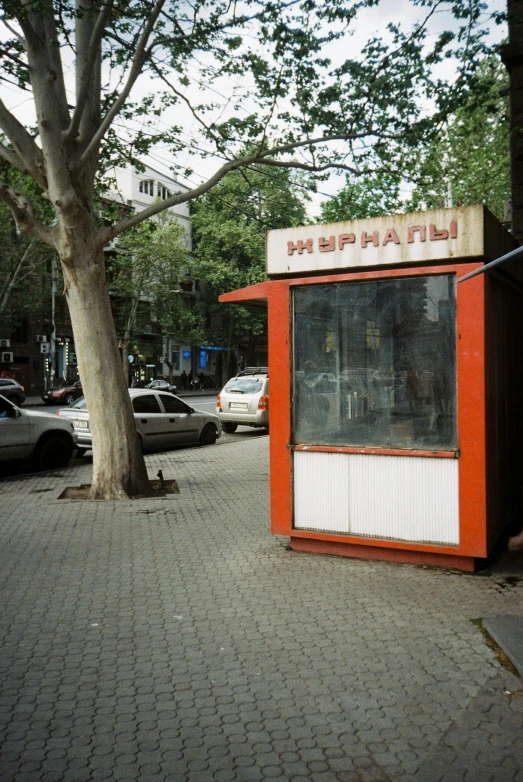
374 363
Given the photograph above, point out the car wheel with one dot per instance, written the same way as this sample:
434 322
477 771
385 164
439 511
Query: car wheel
69 399
53 453
208 435
229 428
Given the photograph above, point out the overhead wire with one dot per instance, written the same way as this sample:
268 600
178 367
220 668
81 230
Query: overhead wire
252 167
234 207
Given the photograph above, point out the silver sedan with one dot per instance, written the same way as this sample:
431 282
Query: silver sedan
162 421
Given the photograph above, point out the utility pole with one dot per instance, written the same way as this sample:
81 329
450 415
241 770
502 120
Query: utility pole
512 56
52 344
450 198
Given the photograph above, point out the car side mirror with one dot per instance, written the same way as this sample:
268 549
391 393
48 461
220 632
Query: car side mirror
190 410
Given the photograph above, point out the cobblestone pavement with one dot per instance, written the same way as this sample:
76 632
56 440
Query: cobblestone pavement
175 639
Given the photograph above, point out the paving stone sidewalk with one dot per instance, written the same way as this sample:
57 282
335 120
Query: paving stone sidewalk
175 639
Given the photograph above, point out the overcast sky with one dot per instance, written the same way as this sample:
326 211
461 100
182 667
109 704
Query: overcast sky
370 22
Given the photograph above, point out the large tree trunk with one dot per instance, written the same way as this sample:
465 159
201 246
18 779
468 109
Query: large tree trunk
118 465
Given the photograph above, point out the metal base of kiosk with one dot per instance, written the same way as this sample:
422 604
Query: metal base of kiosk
339 549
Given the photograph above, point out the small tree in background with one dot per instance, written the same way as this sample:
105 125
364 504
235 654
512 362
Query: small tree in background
367 196
229 227
146 272
471 159
468 161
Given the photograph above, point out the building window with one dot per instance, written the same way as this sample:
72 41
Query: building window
147 186
374 363
21 332
163 192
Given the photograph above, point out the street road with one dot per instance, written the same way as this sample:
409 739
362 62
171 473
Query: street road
205 403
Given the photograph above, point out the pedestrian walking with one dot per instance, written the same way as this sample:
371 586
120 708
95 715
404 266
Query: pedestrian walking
183 378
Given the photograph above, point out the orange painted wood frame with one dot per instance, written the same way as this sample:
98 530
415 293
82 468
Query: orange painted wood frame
471 425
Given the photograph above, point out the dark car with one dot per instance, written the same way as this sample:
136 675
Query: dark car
12 390
161 385
64 394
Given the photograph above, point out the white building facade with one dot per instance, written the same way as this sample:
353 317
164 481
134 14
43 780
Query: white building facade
138 190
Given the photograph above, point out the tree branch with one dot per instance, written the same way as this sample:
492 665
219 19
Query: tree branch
234 22
30 156
10 56
272 108
12 30
261 158
42 45
292 145
55 61
186 100
87 69
136 68
316 169
24 215
52 111
13 277
12 158
128 222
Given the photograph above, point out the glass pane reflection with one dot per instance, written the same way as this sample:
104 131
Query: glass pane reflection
375 363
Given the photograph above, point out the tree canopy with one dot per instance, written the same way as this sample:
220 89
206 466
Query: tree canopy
468 162
148 267
290 92
229 227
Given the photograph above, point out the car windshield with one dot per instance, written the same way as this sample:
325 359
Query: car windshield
80 404
250 386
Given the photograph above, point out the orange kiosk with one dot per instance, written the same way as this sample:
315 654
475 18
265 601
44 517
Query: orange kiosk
396 418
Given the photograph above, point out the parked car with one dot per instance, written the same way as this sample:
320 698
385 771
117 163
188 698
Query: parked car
162 420
30 435
64 394
245 400
12 390
161 385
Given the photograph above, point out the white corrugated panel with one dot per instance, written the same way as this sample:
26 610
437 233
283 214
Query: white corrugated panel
321 491
395 497
404 497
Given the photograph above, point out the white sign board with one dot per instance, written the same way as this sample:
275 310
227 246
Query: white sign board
418 237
